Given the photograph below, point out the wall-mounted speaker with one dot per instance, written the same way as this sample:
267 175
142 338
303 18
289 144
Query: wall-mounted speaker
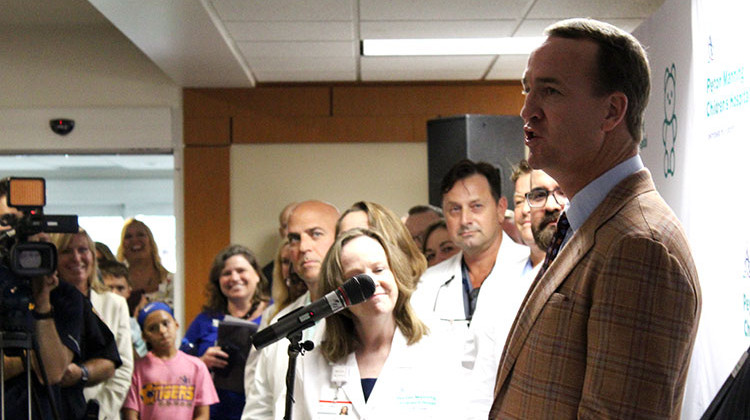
496 139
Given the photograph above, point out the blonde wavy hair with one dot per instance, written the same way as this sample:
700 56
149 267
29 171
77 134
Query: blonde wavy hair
340 336
155 258
62 241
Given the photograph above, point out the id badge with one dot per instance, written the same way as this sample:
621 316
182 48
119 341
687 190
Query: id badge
334 409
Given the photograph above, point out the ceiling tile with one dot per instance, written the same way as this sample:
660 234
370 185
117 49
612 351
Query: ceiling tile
558 9
284 10
535 27
436 29
424 68
291 31
298 49
441 9
307 64
508 67
309 76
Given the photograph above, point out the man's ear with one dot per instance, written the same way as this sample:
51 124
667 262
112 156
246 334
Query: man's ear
502 205
617 107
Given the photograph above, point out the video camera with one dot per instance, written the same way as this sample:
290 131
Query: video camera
23 257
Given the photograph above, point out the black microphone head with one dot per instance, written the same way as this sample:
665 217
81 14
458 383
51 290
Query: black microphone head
358 289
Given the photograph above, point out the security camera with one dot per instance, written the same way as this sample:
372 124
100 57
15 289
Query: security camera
62 126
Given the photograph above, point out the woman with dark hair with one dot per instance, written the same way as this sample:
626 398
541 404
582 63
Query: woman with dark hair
237 288
377 358
438 246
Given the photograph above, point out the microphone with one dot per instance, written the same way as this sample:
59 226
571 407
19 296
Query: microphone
356 290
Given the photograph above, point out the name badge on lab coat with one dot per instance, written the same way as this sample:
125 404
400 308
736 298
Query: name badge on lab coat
334 409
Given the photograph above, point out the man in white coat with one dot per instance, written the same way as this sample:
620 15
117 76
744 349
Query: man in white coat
311 232
475 295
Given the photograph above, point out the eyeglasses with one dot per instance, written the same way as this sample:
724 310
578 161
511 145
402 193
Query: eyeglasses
538 197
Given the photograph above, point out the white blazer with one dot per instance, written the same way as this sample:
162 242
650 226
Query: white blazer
417 382
113 310
439 296
265 371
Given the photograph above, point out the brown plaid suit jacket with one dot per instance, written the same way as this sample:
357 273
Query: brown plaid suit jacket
608 330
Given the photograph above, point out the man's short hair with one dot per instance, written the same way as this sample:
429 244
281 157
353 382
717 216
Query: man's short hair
522 168
622 65
466 168
114 269
4 187
424 208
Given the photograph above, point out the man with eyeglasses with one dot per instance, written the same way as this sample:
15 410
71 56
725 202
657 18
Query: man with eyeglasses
546 201
476 293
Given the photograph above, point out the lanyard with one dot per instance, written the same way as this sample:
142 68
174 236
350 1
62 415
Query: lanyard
339 376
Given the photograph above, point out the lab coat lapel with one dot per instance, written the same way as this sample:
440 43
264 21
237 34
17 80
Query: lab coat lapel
390 375
353 387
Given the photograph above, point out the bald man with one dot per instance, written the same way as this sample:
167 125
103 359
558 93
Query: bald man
311 232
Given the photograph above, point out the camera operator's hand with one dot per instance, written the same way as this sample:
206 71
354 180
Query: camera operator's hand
99 370
72 375
41 288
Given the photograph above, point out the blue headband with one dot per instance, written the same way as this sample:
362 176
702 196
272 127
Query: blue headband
151 307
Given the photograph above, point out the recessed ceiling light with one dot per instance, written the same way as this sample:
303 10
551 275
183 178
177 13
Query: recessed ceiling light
450 46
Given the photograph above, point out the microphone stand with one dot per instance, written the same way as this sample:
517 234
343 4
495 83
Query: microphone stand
296 347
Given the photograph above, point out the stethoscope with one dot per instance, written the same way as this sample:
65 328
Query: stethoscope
437 295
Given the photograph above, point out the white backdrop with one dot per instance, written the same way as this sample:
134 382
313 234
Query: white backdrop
697 132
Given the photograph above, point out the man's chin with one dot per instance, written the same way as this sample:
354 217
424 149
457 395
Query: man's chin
310 274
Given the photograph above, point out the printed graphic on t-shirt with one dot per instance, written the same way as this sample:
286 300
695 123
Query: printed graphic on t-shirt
168 394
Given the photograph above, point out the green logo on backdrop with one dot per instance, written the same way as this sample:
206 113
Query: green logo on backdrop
669 127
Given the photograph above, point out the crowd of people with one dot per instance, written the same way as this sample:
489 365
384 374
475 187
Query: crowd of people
584 304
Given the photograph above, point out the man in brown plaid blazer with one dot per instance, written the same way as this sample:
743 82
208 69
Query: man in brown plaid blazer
607 330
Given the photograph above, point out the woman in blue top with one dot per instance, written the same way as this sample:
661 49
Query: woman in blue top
236 287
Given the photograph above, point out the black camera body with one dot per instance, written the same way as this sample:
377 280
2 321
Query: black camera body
23 257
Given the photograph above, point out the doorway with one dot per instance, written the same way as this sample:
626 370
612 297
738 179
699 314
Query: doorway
106 189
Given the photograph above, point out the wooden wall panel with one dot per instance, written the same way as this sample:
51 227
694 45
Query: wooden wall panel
280 101
207 230
437 100
202 103
503 99
207 131
261 129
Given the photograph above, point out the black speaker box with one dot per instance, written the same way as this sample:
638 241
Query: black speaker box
496 139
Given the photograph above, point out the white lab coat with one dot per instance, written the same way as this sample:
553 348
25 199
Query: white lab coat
113 310
265 371
439 295
416 382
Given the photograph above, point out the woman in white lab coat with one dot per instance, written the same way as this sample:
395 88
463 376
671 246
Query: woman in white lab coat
376 360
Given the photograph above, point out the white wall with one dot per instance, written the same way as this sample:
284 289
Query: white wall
265 177
705 186
84 67
121 101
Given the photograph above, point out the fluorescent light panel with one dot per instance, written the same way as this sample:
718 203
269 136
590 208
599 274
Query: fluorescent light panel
450 46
